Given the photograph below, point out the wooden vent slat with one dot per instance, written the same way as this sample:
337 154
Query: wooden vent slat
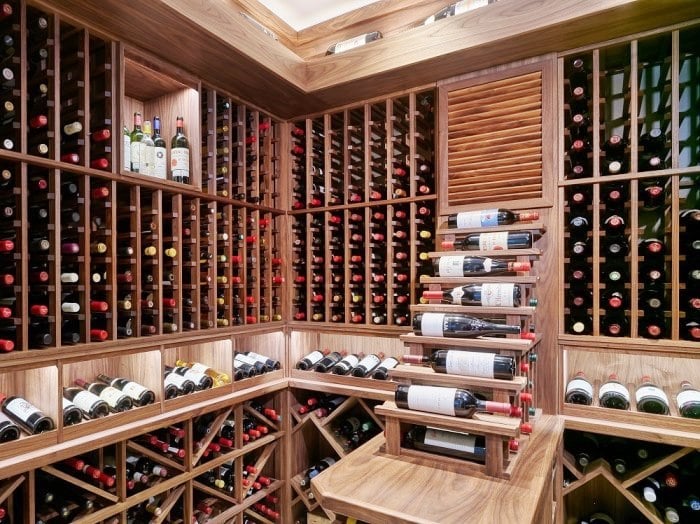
494 140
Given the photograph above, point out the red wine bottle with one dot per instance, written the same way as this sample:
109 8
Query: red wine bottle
489 218
140 395
8 430
487 295
468 363
447 401
459 266
579 390
449 443
614 394
26 415
455 325
688 400
650 398
492 241
88 403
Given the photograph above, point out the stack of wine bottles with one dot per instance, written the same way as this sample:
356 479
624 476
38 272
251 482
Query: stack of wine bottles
360 263
349 364
648 397
249 364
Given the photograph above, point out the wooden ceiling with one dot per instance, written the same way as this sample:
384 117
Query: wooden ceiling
292 76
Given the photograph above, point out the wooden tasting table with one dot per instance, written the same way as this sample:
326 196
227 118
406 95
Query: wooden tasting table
381 489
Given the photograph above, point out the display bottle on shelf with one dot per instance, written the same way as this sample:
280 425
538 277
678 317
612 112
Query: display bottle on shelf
116 399
140 395
180 154
449 443
89 403
135 144
652 325
381 372
219 378
315 469
584 446
489 218
459 265
458 326
688 400
366 366
467 363
447 401
650 398
579 390
26 415
614 394
310 360
487 295
614 324
345 365
492 241
160 165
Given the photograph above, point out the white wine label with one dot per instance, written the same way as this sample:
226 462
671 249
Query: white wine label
487 264
136 155
369 362
21 408
443 438
351 361
469 219
5 420
314 357
111 396
468 5
240 358
432 399
85 400
180 162
457 294
579 383
352 43
194 376
493 241
148 159
451 266
614 387
497 295
126 153
160 166
175 380
134 390
650 391
470 363
431 324
199 368
688 396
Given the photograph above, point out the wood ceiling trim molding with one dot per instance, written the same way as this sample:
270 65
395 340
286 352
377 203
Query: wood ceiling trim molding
288 36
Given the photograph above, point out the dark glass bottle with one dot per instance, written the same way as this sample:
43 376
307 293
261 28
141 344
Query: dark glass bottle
468 363
458 326
446 401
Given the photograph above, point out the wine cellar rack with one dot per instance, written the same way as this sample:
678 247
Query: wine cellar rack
363 207
627 299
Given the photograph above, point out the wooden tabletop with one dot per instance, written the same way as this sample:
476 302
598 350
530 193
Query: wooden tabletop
381 489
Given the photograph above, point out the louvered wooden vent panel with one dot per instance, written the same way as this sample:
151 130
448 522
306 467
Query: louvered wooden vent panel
494 141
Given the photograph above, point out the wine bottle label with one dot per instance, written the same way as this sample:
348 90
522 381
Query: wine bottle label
21 408
240 358
199 368
148 159
65 404
352 43
689 396
650 392
369 362
457 294
180 162
470 363
349 362
579 384
136 155
615 388
175 380
492 241
160 166
451 266
470 219
314 357
5 421
134 389
126 153
432 399
194 376
431 324
85 400
468 5
111 396
497 295
442 438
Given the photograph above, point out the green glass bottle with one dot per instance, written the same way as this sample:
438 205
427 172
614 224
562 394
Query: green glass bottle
126 149
180 154
136 144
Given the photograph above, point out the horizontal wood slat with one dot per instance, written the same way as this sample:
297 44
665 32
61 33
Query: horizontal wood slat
494 140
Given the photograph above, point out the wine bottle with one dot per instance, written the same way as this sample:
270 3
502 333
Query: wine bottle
135 148
201 380
8 429
148 150
491 241
160 167
583 445
180 154
688 400
449 443
344 366
327 362
458 266
140 395
314 470
650 398
352 43
71 413
614 324
579 390
455 9
446 401
487 295
467 363
381 372
366 366
116 400
26 415
89 403
489 218
183 385
219 378
614 394
455 325
269 363
310 360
